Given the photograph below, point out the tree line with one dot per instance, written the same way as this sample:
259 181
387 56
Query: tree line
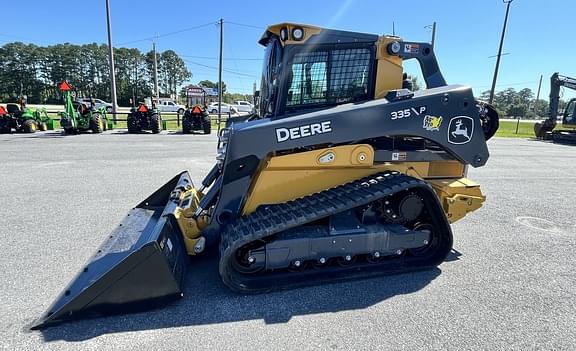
522 103
35 71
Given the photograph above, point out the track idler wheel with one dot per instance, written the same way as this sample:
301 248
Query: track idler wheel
246 263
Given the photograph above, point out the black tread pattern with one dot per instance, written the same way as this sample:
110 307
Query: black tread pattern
271 219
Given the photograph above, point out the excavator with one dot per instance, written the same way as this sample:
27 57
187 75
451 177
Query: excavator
545 130
343 174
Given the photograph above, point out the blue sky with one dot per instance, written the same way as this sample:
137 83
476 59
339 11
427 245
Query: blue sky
540 38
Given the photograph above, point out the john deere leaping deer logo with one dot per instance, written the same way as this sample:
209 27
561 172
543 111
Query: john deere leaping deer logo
463 131
460 130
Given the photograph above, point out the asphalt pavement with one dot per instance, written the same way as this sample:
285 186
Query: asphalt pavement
510 283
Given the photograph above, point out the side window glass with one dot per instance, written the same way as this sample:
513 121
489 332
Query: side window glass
569 113
307 79
329 77
270 71
350 74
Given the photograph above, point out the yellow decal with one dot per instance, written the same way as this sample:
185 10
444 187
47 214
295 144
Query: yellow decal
432 123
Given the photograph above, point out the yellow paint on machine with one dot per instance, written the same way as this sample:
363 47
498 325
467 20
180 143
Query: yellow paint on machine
389 68
308 30
289 177
190 228
458 196
292 176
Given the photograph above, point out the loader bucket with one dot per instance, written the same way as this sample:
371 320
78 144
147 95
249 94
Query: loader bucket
141 265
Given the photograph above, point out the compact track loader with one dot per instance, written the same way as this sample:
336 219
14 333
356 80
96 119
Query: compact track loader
343 175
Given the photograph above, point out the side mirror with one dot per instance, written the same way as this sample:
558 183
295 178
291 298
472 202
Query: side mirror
257 93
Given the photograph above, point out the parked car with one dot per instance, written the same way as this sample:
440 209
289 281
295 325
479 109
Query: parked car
213 108
97 103
170 106
244 106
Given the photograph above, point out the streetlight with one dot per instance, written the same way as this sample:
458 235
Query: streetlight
507 2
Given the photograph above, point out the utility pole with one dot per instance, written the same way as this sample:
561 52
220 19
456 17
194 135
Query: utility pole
156 92
539 86
111 59
135 83
507 2
220 75
537 95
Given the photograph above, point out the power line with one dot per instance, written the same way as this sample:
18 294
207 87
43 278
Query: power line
240 73
235 62
170 33
225 70
244 25
507 85
216 58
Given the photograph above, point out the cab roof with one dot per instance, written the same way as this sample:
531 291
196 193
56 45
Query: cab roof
317 34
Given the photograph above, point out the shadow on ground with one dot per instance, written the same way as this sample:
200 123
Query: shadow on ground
571 142
208 301
47 134
169 131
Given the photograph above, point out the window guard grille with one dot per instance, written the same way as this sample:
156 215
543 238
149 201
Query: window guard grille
329 77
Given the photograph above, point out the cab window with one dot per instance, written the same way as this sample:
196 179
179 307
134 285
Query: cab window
569 113
270 71
328 77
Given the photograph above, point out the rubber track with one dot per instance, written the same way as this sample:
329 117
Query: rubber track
271 219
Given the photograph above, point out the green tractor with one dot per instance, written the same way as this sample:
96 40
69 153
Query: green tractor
196 118
78 117
20 118
144 117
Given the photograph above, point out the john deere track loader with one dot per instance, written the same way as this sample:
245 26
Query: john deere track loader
344 175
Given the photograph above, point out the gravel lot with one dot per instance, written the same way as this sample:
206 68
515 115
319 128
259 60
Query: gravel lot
510 284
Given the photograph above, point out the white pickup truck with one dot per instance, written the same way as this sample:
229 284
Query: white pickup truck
170 106
244 106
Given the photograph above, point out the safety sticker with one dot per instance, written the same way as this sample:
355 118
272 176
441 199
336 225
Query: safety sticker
411 48
398 156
